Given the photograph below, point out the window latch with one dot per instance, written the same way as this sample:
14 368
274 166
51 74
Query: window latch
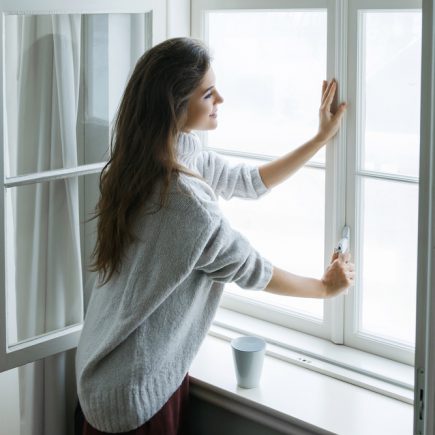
343 244
420 401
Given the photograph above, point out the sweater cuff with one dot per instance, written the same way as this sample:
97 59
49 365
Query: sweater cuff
266 276
257 182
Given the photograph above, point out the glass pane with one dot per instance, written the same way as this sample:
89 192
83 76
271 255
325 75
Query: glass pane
287 227
388 269
47 244
64 77
269 68
391 87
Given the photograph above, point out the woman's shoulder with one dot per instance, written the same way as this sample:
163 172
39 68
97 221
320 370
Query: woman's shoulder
199 198
188 197
191 208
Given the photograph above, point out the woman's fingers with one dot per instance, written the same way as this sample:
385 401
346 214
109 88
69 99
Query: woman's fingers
329 96
326 89
342 257
335 255
350 274
345 257
324 84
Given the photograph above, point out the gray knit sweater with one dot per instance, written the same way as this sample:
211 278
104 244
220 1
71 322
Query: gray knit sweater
144 327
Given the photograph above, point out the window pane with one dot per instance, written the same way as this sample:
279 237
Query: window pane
287 227
46 247
388 269
391 87
64 77
269 68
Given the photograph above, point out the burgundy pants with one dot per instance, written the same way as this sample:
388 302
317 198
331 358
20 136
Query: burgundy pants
171 419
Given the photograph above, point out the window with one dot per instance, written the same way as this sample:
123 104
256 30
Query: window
63 75
256 71
269 63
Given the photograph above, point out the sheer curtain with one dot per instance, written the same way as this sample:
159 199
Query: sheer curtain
48 271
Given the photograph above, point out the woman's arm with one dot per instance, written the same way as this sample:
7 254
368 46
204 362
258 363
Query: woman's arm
227 180
288 284
275 172
278 170
338 276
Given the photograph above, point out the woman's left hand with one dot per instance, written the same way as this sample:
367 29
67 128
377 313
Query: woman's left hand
329 123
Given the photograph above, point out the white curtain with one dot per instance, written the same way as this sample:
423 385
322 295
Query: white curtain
48 271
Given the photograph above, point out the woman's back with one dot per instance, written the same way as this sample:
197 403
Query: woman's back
144 326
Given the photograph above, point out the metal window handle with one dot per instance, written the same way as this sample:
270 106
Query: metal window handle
343 245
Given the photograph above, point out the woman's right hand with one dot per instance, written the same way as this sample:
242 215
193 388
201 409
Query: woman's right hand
339 275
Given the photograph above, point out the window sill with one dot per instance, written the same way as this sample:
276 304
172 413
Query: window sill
311 409
376 373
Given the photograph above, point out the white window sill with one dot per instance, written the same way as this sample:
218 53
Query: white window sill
381 375
321 399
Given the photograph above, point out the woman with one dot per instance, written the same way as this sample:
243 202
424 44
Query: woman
162 271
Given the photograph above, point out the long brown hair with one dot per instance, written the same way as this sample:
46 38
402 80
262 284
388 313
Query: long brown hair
150 117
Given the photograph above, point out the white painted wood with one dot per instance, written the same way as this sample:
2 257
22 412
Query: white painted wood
354 338
425 332
274 315
80 6
335 192
55 174
199 26
296 399
178 22
3 304
398 392
373 367
385 176
10 402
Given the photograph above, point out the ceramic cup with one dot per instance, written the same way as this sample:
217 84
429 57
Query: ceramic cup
248 355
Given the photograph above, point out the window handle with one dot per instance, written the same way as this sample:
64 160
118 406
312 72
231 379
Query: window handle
343 244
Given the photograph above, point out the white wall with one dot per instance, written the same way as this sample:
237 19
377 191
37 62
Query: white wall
178 22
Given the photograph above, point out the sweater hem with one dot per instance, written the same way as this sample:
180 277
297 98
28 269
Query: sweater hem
127 407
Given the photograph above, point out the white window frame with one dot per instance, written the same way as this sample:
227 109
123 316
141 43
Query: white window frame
66 338
424 373
312 326
366 342
340 185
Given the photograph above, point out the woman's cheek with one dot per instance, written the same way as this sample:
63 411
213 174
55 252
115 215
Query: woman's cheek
206 109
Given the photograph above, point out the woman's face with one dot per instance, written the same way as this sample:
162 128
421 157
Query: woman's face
202 107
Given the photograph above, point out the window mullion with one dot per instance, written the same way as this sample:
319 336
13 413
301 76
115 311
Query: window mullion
54 174
353 193
335 190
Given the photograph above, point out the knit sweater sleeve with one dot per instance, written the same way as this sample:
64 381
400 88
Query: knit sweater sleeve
225 255
228 180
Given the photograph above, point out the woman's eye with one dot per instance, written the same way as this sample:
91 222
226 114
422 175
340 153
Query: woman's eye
208 96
